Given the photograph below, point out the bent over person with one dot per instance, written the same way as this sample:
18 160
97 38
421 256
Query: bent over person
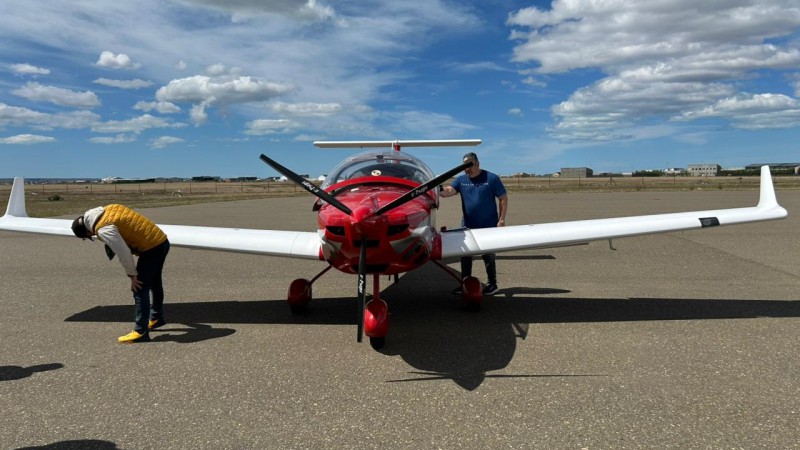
126 233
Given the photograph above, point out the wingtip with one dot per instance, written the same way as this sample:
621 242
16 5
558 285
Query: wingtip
16 201
767 197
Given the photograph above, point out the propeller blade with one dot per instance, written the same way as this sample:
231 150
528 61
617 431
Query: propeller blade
362 287
307 185
421 189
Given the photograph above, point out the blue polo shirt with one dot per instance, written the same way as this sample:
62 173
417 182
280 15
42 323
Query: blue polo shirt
478 198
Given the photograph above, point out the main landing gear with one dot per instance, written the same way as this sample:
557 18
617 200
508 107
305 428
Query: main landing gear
373 316
375 322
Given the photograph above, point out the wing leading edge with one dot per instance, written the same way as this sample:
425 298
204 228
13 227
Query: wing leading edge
294 244
492 240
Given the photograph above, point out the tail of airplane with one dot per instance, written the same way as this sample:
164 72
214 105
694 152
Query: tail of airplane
396 145
16 202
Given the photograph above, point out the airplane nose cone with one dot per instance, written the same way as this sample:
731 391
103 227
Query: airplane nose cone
361 213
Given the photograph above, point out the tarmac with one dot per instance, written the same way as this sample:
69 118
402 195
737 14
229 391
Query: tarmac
679 340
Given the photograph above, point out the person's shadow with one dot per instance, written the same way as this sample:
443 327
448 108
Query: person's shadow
82 444
8 373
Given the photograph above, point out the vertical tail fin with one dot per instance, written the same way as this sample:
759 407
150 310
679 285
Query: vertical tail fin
16 201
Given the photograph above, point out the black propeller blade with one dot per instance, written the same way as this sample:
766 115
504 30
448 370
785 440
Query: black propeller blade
362 288
307 185
421 189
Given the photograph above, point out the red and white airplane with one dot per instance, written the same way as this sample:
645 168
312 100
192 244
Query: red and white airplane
376 216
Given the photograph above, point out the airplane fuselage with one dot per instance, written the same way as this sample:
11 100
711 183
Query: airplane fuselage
397 241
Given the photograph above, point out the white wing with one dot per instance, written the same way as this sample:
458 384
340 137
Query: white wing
295 244
465 242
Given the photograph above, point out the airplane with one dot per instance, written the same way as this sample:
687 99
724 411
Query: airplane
376 216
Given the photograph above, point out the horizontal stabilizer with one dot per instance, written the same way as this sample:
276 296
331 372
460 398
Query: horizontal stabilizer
391 144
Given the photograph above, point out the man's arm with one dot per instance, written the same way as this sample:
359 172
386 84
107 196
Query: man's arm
447 191
503 210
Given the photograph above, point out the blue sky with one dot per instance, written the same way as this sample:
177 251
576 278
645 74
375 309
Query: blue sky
202 87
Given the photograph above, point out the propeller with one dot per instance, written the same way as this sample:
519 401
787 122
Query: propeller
307 185
362 288
421 189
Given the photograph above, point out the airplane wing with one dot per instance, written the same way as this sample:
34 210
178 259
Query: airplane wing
294 244
465 242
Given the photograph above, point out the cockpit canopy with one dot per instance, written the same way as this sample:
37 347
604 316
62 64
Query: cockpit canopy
376 164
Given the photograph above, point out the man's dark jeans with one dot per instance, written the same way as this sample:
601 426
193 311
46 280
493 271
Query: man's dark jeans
150 266
488 260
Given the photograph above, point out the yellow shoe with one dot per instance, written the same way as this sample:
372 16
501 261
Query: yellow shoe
153 324
133 336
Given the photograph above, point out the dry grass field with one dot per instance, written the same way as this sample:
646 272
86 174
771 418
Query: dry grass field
49 200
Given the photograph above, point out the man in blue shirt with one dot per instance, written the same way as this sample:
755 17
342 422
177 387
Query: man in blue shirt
479 189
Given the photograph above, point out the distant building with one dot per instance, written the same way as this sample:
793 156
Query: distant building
205 178
576 172
673 171
704 170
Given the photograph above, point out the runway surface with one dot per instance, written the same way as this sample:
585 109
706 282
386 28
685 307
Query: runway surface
681 340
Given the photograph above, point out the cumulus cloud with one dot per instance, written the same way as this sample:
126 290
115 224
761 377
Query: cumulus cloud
161 107
515 112
660 62
28 69
118 139
109 60
135 125
27 139
262 127
124 84
165 141
18 116
306 109
245 9
59 96
204 91
756 111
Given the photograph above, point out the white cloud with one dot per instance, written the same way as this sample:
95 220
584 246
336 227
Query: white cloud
262 127
222 90
109 60
243 10
28 69
124 84
517 112
135 125
757 111
161 107
165 141
306 109
27 139
118 139
660 60
18 116
63 97
181 65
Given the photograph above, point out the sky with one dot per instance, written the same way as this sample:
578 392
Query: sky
181 88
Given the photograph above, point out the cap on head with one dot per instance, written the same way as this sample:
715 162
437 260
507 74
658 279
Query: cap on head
79 228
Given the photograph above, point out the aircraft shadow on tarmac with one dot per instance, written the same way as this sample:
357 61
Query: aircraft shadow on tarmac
8 373
433 334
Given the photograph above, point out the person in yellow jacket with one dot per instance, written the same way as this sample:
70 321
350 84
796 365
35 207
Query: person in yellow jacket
127 233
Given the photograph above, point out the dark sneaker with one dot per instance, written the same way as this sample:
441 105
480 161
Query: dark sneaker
134 336
153 324
490 289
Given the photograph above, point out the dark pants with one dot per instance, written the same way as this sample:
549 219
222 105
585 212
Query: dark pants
150 266
488 260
